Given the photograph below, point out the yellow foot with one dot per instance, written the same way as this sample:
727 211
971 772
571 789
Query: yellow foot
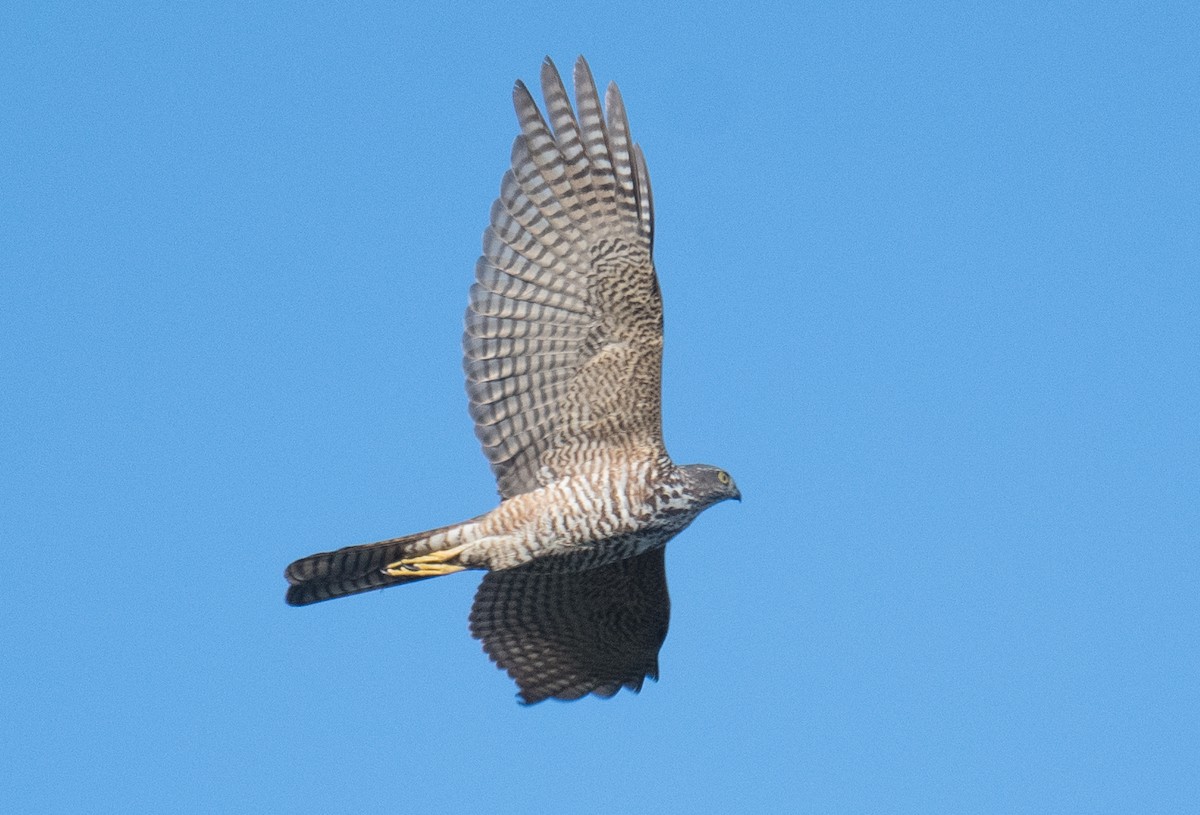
430 565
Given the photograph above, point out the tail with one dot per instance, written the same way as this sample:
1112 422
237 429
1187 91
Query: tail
355 569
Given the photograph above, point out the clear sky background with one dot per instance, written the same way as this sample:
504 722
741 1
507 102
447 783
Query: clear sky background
932 281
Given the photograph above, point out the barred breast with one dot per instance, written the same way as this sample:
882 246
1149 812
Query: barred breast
599 516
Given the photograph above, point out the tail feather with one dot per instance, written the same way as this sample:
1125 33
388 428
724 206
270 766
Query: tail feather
356 569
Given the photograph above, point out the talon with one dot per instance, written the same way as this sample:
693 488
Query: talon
430 565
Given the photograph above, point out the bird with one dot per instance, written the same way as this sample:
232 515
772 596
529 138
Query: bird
562 351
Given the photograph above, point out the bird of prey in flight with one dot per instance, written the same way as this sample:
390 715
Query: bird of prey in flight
563 355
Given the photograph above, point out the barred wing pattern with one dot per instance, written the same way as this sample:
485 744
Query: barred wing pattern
564 634
563 342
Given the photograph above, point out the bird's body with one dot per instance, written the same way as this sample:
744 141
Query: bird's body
608 514
562 352
602 514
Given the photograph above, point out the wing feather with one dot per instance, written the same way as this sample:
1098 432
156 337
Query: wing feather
564 635
563 342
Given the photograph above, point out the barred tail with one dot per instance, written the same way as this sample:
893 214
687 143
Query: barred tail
355 569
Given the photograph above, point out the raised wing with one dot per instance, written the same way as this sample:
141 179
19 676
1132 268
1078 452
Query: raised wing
563 341
564 635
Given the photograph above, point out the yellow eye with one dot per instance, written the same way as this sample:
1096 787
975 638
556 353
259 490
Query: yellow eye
723 476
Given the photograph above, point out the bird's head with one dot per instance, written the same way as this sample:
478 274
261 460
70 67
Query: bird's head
710 485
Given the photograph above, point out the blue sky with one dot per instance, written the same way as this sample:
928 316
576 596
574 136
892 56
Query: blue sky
932 282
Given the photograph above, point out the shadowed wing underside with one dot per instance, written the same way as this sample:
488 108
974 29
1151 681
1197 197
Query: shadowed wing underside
563 341
564 635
